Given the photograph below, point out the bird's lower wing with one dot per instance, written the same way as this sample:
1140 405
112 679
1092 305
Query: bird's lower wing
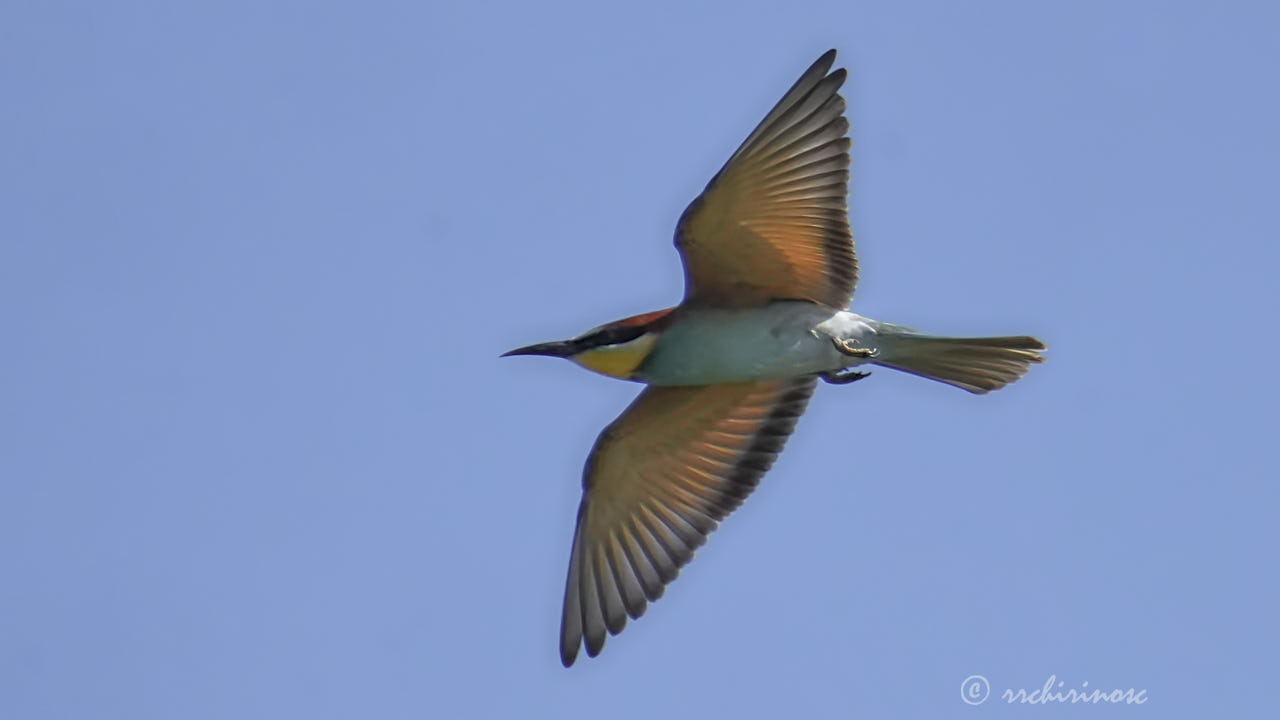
658 480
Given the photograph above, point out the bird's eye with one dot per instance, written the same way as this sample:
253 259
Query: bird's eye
614 335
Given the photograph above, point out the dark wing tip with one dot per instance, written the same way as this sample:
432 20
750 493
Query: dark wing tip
817 71
568 654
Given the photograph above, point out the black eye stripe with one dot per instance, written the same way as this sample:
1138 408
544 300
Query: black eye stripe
612 336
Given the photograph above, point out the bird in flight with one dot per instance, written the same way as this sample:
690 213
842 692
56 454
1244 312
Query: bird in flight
769 272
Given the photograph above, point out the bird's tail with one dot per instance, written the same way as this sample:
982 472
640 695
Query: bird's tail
978 365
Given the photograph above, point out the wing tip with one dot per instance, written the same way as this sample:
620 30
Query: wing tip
568 653
595 644
821 68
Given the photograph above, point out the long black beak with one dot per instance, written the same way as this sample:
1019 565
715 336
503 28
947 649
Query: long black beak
551 349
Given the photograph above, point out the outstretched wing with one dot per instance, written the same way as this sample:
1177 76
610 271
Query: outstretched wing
658 480
773 223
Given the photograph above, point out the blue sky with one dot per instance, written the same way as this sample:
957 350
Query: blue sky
260 457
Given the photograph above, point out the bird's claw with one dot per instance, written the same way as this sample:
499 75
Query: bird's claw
842 377
851 350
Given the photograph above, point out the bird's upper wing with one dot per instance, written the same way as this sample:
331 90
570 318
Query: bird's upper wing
658 480
773 223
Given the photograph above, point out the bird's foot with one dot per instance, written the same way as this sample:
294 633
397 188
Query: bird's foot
843 377
851 350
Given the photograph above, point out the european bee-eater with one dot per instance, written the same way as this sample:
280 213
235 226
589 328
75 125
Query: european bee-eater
769 270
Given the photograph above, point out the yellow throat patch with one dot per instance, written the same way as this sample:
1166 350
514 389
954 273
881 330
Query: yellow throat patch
618 361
